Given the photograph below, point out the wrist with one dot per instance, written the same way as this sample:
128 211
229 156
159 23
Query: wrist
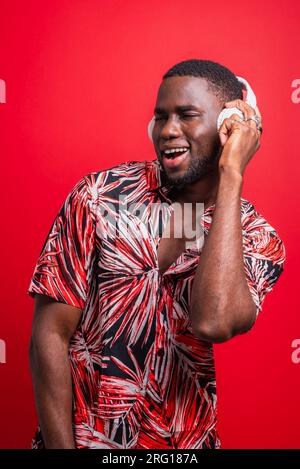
231 174
230 184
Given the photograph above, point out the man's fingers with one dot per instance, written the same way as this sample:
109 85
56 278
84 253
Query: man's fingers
229 124
243 106
247 110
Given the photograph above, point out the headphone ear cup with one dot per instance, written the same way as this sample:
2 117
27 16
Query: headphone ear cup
248 96
227 112
150 128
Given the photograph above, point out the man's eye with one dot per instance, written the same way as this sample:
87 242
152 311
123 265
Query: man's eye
183 116
189 115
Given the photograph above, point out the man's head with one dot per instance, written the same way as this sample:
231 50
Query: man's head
189 100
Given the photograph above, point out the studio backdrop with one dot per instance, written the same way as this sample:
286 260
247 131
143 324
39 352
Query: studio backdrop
78 84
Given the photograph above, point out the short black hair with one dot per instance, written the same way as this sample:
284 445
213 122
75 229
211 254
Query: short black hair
221 81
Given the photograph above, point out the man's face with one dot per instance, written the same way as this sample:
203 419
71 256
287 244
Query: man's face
186 115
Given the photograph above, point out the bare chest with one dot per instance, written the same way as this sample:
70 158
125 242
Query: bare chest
179 232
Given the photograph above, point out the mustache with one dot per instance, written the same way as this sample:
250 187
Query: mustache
198 168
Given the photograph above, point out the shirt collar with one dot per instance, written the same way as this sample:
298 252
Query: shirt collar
154 176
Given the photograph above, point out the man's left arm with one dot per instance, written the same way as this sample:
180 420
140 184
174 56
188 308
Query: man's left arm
221 302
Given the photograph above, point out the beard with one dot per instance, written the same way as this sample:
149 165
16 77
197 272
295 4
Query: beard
198 168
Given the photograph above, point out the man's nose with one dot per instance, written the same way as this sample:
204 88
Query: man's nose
170 128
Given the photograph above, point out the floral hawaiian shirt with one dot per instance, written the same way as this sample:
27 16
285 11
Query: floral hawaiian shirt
141 377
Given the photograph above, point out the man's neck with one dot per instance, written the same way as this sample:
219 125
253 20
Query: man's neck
204 190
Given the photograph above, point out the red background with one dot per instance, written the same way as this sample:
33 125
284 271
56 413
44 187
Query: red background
82 79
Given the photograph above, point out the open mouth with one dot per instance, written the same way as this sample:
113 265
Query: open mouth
173 158
174 152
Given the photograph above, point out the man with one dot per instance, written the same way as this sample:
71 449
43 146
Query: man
125 319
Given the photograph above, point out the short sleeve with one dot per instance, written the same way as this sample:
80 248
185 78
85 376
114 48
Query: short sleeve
64 268
264 257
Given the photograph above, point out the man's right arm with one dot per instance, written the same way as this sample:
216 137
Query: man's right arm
53 325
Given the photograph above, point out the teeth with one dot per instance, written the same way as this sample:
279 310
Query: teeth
174 150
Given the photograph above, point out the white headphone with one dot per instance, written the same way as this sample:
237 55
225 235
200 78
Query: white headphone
225 113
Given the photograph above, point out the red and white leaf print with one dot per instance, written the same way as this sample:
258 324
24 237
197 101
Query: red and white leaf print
141 378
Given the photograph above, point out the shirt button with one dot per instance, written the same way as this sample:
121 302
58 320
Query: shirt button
160 352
